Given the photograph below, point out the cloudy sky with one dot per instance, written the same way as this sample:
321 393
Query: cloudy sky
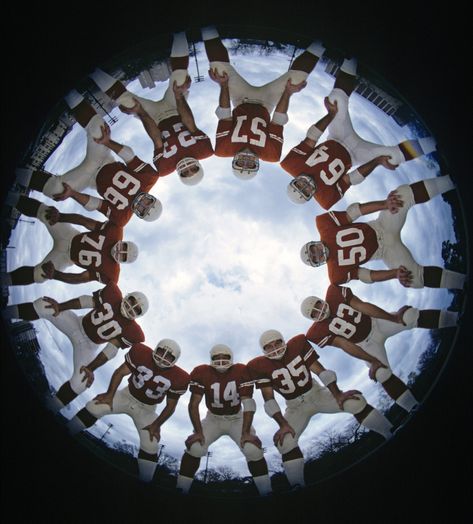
222 263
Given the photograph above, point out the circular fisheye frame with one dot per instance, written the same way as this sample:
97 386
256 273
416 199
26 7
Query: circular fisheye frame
222 268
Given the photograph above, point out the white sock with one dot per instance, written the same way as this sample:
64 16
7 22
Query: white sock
209 32
184 483
146 469
263 484
316 48
427 144
295 471
447 318
103 80
452 279
378 422
349 66
407 400
73 98
23 176
438 185
180 47
75 425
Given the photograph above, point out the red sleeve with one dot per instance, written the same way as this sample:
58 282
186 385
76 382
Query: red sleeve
246 383
272 151
179 383
304 348
131 335
132 358
196 381
223 144
320 334
331 219
260 376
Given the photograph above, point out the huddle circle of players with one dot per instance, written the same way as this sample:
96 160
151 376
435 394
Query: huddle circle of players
250 129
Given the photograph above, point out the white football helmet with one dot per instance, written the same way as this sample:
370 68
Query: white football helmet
245 164
190 171
301 189
147 207
166 353
134 305
314 253
314 308
221 364
124 251
275 341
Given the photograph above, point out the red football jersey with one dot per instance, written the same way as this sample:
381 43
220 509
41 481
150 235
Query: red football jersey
343 321
105 321
179 143
149 383
92 251
223 391
290 376
120 183
349 244
250 127
326 164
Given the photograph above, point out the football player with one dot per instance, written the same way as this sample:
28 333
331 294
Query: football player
361 329
287 368
322 170
123 187
227 388
112 320
154 377
249 132
179 144
96 156
345 244
99 251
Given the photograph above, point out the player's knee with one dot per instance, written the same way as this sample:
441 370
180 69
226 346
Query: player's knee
40 306
38 276
97 410
76 384
289 443
53 186
410 317
297 77
149 446
252 453
94 127
355 405
197 450
383 374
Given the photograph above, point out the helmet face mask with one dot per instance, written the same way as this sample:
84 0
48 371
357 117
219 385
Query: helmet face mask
124 252
190 171
166 353
314 254
134 305
316 309
147 207
273 345
301 189
245 164
221 358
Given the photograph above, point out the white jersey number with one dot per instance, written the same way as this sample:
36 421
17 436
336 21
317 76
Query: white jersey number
121 180
230 394
340 326
184 138
336 167
108 328
256 121
348 258
143 375
87 257
295 369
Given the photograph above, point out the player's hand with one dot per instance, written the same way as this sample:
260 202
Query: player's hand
52 215
252 439
374 367
384 160
106 135
183 88
346 395
294 88
404 276
48 270
66 193
53 304
220 79
154 431
332 108
195 437
281 433
400 313
137 109
88 377
394 202
104 398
